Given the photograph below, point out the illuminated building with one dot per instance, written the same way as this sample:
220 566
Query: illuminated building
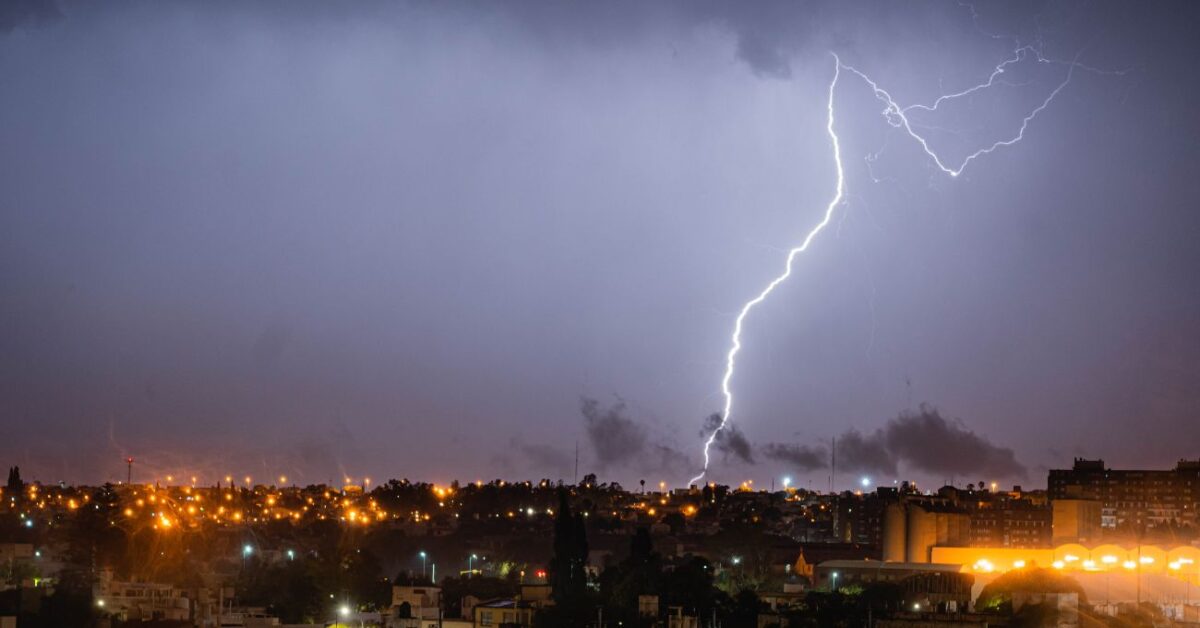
913 528
1076 521
1011 523
1132 497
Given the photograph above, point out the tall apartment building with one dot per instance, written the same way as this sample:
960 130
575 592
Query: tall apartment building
1132 498
1012 523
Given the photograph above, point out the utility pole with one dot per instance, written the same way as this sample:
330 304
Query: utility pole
129 470
832 463
576 463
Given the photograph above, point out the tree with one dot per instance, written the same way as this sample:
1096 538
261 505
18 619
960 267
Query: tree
999 592
746 607
15 487
365 582
568 574
568 577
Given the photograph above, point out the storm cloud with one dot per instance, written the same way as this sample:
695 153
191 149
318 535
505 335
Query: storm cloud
920 441
620 442
801 457
729 440
928 442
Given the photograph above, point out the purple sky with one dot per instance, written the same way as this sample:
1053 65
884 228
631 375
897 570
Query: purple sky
442 240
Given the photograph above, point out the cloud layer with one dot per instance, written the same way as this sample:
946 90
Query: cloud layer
915 441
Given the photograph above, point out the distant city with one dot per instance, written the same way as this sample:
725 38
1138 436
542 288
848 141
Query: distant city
1097 545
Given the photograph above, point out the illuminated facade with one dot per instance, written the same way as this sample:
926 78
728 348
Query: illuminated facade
1132 498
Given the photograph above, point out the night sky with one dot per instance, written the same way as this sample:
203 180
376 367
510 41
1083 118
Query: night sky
452 240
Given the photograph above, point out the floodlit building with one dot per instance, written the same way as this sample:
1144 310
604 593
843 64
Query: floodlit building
1076 521
1011 523
912 529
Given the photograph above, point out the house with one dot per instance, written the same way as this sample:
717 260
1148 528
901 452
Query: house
503 613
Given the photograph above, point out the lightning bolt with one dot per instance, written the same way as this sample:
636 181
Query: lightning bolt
897 117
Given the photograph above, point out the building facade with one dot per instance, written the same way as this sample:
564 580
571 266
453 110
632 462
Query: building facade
1132 499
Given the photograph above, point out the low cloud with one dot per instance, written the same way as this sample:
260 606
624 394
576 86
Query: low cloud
730 440
928 442
865 453
618 440
802 457
921 440
615 438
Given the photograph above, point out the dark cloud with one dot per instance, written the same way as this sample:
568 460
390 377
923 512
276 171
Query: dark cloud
802 457
619 441
730 440
920 441
869 453
928 442
615 438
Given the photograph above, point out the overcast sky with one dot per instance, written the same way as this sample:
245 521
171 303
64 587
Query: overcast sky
452 240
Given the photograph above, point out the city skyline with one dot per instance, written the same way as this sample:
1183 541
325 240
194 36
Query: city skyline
409 240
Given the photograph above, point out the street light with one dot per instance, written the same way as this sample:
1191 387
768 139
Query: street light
471 564
344 611
835 575
423 556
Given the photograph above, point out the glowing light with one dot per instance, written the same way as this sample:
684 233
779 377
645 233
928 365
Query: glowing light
984 565
1018 564
1108 559
865 482
1129 564
1146 560
1058 564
